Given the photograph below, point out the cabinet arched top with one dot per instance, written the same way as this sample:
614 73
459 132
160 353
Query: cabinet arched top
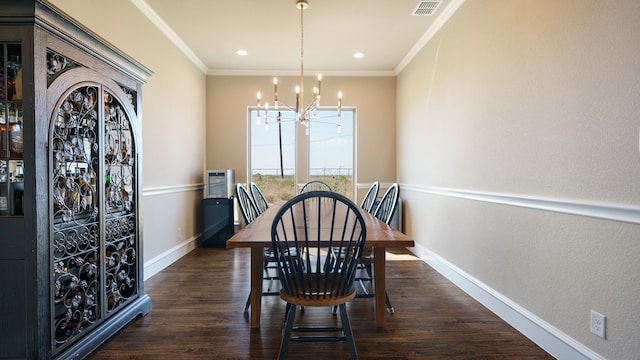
69 80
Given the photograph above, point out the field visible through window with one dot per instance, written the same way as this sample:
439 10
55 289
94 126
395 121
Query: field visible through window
278 189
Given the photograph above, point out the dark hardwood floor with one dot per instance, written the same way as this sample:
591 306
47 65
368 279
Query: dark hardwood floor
198 314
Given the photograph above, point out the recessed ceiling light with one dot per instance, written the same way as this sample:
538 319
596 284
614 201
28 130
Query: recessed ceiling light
242 52
358 55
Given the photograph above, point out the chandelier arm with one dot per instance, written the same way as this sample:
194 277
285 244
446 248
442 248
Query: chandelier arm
282 120
326 117
283 104
317 121
310 107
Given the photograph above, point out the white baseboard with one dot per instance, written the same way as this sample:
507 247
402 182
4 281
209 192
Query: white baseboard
158 263
549 338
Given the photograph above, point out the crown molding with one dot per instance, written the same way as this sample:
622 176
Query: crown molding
144 7
429 34
373 73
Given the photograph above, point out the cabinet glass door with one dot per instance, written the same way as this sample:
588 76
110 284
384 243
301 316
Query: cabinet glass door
94 218
11 131
120 236
76 244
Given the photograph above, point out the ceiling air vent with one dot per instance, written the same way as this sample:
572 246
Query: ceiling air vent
426 8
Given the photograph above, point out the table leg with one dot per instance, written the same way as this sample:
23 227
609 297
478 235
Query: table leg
257 262
380 286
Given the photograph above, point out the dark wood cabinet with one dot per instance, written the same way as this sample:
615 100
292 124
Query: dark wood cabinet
70 185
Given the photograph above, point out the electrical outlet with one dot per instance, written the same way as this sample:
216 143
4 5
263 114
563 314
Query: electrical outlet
598 323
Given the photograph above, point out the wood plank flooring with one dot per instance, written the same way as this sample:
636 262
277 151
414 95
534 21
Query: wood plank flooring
198 314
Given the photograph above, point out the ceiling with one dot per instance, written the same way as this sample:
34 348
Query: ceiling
210 32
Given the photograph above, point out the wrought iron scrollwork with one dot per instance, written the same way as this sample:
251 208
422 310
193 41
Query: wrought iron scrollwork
76 244
120 228
75 155
132 96
57 64
86 244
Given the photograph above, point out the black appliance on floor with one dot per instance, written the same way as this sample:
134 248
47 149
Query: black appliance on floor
217 221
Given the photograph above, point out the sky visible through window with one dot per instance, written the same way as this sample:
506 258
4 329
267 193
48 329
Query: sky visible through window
330 152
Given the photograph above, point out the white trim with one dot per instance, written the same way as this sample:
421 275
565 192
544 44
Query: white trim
144 7
366 186
354 73
164 190
429 34
162 261
549 338
607 211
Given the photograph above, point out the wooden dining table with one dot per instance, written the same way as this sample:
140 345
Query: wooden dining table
257 236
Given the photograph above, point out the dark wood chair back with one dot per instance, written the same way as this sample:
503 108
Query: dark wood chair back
247 206
258 198
327 233
314 186
370 197
387 206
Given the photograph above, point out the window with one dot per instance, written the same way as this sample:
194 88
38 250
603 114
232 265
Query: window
331 153
271 169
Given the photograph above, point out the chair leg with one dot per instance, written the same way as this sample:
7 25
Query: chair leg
286 313
390 308
368 268
346 328
246 306
288 327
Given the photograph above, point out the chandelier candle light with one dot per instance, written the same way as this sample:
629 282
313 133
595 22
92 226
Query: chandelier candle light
303 115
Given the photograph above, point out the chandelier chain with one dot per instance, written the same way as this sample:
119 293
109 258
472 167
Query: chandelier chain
301 54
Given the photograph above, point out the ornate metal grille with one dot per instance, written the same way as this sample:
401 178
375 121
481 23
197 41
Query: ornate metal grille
95 271
132 96
76 229
120 227
57 64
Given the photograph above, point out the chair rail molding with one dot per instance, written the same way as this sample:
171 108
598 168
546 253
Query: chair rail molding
366 185
607 211
164 190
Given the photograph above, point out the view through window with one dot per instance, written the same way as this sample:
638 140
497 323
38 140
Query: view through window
331 152
273 157
273 170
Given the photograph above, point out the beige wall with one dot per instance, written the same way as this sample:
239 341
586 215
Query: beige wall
228 98
172 123
534 104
